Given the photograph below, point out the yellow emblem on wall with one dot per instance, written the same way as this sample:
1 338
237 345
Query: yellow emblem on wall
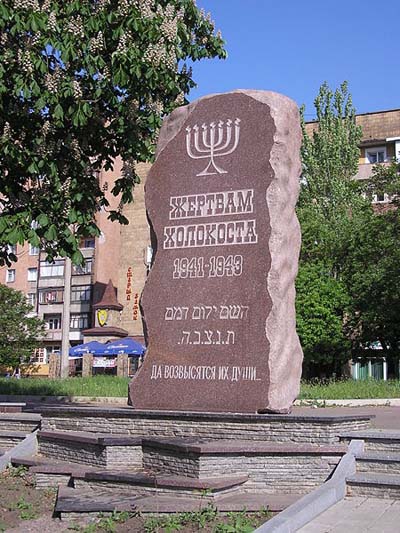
102 316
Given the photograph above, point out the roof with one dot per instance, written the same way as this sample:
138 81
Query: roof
109 299
106 331
377 126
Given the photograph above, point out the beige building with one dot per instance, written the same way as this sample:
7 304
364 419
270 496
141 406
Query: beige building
380 142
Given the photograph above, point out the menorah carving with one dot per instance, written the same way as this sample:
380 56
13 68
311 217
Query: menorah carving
215 140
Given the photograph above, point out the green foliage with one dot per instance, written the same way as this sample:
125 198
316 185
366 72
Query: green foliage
96 386
385 180
373 279
348 389
330 208
321 303
18 471
330 199
208 517
21 332
81 83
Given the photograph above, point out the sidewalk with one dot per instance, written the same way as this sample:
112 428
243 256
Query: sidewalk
357 515
385 417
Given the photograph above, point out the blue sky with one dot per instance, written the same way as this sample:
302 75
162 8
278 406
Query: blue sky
293 46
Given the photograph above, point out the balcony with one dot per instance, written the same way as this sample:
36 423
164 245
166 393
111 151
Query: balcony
365 170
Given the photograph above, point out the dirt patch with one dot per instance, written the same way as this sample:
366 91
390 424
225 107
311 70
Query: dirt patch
23 508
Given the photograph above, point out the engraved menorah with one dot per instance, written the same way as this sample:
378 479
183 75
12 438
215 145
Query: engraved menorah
215 140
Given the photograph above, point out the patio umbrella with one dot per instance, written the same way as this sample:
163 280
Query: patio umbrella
93 347
128 346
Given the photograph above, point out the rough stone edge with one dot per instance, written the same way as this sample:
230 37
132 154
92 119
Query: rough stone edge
28 447
319 500
282 194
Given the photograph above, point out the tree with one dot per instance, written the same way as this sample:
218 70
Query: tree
321 303
330 207
21 331
385 180
372 270
81 83
329 196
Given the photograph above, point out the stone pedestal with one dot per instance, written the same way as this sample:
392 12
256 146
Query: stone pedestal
54 365
87 365
122 365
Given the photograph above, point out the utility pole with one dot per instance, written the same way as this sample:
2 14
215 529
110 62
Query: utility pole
66 319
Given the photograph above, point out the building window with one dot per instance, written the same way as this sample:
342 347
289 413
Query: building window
81 293
79 270
52 270
39 356
12 249
31 299
51 296
375 155
10 278
52 321
33 250
380 198
52 349
32 274
88 243
79 321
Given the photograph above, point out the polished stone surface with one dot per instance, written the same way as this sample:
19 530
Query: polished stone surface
219 300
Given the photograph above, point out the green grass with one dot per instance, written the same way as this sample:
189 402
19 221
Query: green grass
94 386
349 389
118 387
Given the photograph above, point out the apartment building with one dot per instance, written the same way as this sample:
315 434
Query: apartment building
380 142
122 254
108 257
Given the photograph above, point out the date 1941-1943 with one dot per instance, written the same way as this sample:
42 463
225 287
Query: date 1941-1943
217 266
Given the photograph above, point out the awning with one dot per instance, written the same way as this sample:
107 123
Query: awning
127 345
93 347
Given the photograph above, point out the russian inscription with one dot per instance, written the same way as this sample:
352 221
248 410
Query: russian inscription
207 301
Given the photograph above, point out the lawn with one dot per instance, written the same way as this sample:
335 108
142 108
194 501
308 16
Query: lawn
93 387
113 386
349 389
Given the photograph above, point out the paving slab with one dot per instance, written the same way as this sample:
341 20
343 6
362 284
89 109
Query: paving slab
357 515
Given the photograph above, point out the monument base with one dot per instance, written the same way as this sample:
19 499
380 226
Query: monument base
311 429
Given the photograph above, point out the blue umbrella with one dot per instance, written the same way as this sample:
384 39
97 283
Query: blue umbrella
93 347
128 346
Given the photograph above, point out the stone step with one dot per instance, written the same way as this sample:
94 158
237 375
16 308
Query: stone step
375 439
146 484
49 473
12 407
374 485
73 503
379 462
10 438
270 466
117 452
27 422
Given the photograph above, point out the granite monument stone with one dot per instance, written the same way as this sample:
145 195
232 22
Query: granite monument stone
218 304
